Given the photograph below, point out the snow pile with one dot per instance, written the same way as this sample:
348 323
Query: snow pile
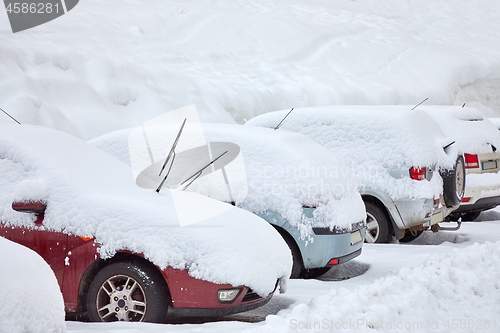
91 194
110 65
455 292
33 302
375 140
279 171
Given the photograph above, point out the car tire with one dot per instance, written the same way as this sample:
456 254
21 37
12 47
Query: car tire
408 237
454 183
378 224
128 291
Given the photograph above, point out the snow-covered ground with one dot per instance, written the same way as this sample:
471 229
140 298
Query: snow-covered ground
440 282
111 64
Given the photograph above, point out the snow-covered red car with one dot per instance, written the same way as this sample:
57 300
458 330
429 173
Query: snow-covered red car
409 173
120 252
478 139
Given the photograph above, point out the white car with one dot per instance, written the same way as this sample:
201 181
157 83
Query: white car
478 139
410 176
124 253
298 186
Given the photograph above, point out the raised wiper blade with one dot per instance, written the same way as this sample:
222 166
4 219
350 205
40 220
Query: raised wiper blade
171 154
282 120
199 172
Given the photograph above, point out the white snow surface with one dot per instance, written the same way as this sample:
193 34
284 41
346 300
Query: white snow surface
113 64
33 302
374 140
89 193
279 172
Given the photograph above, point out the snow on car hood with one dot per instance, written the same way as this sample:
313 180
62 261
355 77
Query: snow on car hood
374 140
277 171
473 133
89 193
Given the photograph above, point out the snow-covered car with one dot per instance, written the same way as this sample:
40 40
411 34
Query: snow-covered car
25 276
123 253
410 176
298 186
478 139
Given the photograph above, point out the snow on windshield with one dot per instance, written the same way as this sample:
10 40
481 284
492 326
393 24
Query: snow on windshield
280 172
90 193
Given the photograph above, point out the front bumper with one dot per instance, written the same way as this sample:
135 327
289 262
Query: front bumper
193 297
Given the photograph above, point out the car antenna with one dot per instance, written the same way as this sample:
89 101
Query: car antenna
171 154
420 103
198 173
282 120
231 198
10 116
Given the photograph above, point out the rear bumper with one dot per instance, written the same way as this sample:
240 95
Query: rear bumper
414 212
479 205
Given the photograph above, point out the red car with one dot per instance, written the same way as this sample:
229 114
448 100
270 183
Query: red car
123 253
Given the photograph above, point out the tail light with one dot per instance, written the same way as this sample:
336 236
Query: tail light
418 173
471 161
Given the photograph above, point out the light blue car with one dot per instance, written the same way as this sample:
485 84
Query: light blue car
289 180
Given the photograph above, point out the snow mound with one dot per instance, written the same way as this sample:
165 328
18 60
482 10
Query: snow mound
90 72
90 193
373 141
279 172
461 284
33 300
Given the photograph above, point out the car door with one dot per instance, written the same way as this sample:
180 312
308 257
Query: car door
50 245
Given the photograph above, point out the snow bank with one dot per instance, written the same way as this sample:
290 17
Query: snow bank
374 141
33 302
455 292
110 65
279 172
89 193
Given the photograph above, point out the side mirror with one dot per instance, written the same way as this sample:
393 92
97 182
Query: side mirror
37 207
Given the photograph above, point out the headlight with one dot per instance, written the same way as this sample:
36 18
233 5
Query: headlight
228 295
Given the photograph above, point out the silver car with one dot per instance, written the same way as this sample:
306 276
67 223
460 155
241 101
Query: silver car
409 173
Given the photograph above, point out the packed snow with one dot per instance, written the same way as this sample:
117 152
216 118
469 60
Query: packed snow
89 193
292 172
32 299
113 64
375 141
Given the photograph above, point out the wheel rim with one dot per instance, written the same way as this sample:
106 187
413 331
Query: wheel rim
121 298
460 177
372 228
